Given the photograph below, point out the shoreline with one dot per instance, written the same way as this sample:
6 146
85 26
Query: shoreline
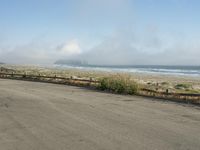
100 71
141 69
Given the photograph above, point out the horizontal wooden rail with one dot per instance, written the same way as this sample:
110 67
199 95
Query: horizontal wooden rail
165 93
181 97
3 75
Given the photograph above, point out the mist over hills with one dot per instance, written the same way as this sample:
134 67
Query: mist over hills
72 62
128 48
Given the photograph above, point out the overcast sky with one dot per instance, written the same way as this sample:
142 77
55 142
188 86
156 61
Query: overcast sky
113 32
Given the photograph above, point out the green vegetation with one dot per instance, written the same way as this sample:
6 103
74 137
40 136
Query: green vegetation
164 83
192 91
118 84
183 86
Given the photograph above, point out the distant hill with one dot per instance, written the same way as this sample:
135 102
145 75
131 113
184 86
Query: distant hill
1 63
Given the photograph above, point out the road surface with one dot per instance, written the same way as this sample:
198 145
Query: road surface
43 116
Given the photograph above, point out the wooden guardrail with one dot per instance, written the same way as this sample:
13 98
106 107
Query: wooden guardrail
51 79
186 97
165 93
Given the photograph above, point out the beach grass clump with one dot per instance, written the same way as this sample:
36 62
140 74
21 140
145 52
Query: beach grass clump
164 83
182 86
121 84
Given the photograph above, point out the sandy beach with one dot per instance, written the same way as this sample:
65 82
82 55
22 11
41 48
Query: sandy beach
42 116
189 84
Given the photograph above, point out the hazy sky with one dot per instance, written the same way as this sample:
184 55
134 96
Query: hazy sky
160 32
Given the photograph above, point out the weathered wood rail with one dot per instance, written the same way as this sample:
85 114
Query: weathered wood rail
26 76
183 97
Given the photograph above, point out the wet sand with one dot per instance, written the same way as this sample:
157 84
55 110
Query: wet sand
42 116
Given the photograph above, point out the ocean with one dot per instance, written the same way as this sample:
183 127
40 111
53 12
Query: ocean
148 69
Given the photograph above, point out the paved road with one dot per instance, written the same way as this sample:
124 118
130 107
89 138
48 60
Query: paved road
42 116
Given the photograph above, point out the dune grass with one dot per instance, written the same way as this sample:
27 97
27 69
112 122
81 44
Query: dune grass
183 86
121 84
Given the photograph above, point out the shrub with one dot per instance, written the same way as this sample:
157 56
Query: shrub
182 86
165 83
118 84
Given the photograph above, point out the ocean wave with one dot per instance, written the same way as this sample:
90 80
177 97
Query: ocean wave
147 69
